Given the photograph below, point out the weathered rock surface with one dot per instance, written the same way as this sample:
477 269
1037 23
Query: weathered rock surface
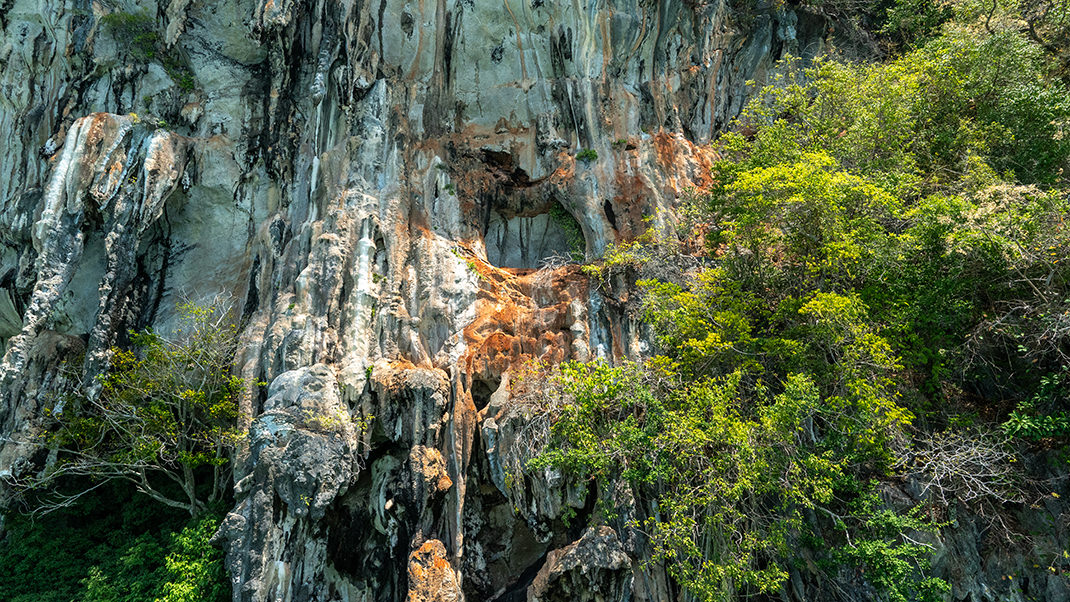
303 454
431 578
372 183
593 569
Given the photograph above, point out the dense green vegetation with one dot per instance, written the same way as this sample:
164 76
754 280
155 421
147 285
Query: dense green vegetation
99 524
112 547
881 275
164 418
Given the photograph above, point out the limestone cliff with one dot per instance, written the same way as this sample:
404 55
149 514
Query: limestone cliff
374 184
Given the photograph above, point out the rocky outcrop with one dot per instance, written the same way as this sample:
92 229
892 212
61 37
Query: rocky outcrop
593 569
107 189
303 454
431 578
374 184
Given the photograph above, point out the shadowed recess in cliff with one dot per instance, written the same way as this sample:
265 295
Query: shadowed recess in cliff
483 388
529 242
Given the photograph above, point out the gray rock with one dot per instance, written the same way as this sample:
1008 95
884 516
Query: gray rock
592 569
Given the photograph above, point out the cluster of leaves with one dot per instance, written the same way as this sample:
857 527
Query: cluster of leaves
728 470
655 253
1044 415
922 122
165 416
179 72
587 155
137 32
109 548
1044 22
891 562
191 569
914 22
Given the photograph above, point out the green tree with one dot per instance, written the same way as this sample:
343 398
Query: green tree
725 470
194 566
164 419
916 124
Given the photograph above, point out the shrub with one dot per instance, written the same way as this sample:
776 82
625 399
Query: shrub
884 247
882 548
577 244
194 566
587 155
137 33
915 123
134 31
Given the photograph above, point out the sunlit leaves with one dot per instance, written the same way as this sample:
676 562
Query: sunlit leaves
166 414
729 465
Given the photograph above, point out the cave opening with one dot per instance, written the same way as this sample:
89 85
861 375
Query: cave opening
532 241
482 389
611 215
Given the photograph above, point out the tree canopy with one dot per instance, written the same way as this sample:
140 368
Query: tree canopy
164 419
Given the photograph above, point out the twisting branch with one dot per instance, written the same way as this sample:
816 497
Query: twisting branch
974 467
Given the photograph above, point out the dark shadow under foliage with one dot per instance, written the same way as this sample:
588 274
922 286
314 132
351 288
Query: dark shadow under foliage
112 546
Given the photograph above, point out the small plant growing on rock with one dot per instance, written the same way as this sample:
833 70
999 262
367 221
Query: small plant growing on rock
577 244
470 263
324 422
475 269
136 32
587 155
178 72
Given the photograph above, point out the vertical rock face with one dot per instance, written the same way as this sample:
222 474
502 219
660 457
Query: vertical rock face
372 183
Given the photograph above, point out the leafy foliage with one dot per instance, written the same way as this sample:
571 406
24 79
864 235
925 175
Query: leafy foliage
729 468
1045 414
137 33
923 186
881 284
587 155
107 547
194 567
166 413
577 245
888 558
914 22
918 123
